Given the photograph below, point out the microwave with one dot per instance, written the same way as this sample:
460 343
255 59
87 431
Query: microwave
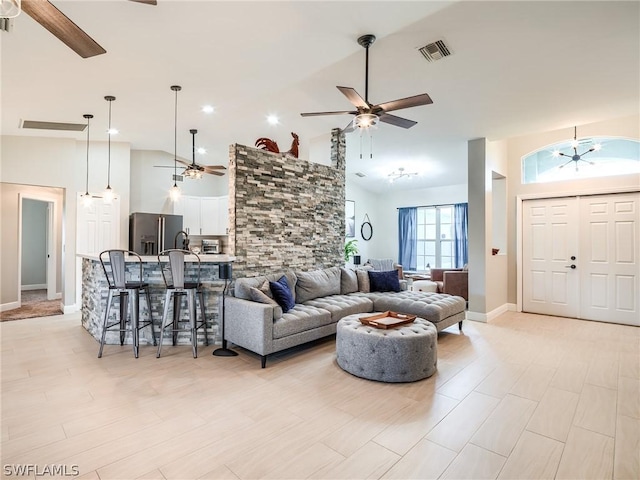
210 246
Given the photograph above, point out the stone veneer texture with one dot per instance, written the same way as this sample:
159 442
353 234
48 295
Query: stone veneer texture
285 213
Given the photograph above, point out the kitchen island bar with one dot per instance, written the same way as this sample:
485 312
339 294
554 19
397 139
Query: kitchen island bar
95 290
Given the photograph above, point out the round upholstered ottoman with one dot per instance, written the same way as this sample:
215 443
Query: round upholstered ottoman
402 354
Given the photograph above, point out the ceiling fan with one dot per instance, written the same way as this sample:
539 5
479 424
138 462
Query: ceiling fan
61 26
368 114
193 169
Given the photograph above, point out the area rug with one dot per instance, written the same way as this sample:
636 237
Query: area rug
33 306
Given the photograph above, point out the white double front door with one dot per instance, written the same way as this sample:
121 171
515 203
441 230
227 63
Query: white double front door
581 257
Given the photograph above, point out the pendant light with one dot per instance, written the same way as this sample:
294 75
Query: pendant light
87 198
175 193
108 194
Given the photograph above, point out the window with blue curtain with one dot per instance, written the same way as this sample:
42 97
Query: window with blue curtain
433 237
407 237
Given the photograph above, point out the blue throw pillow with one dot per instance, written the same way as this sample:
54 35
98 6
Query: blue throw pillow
384 281
282 294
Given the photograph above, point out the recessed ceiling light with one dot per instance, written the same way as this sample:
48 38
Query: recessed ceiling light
201 150
207 109
273 119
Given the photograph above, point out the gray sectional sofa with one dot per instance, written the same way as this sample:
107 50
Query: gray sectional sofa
322 297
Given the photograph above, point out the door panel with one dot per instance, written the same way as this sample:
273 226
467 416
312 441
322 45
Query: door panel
610 268
549 241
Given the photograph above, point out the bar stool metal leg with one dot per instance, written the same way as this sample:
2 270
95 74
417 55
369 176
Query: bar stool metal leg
153 332
124 297
204 318
134 299
165 317
105 323
192 321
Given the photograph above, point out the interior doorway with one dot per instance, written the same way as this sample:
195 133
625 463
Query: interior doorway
37 255
580 257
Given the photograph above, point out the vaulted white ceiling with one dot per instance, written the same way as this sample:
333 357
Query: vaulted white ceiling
516 67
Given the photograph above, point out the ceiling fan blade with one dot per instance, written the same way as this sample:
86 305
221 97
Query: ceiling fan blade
317 114
397 121
408 102
354 97
183 162
47 15
214 172
213 167
148 2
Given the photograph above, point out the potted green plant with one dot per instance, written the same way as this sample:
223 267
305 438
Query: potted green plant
350 249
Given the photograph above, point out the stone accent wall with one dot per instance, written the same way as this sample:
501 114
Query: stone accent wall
285 212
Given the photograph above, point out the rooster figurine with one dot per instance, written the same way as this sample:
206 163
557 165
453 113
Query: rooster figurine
271 146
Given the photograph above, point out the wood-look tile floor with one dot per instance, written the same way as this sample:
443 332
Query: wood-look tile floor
525 396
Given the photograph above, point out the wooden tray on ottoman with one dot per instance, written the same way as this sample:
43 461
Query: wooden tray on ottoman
387 319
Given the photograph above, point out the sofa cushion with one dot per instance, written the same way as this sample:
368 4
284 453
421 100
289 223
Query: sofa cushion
318 283
300 318
260 296
348 281
430 306
342 305
242 285
384 281
282 294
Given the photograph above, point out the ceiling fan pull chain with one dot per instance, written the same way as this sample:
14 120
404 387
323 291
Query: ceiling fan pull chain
361 146
370 145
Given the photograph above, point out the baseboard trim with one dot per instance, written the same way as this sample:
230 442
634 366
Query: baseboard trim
512 307
9 306
69 308
37 286
487 317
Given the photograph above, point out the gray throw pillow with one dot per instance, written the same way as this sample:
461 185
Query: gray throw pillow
258 295
317 283
363 280
348 281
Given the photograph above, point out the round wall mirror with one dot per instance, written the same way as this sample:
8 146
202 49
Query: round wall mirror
366 231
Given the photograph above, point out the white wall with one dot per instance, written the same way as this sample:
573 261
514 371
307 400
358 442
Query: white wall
150 184
487 273
365 202
61 162
518 147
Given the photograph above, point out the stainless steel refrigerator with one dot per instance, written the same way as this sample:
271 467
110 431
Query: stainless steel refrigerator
151 233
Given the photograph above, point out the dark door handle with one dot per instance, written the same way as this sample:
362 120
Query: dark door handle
572 267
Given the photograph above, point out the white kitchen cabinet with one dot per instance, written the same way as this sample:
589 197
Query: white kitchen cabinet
209 215
204 215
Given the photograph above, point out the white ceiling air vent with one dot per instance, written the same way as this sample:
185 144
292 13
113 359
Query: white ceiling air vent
435 51
39 125
177 178
360 174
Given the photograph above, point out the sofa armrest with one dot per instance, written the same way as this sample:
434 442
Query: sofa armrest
456 283
249 325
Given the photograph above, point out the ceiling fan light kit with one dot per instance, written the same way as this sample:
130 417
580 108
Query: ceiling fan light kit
365 111
9 8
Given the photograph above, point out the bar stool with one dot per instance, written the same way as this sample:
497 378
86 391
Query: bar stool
174 280
127 292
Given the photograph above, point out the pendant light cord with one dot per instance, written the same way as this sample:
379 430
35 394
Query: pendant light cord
88 117
175 141
109 150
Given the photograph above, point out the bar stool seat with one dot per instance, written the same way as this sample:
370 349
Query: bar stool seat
177 287
127 291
